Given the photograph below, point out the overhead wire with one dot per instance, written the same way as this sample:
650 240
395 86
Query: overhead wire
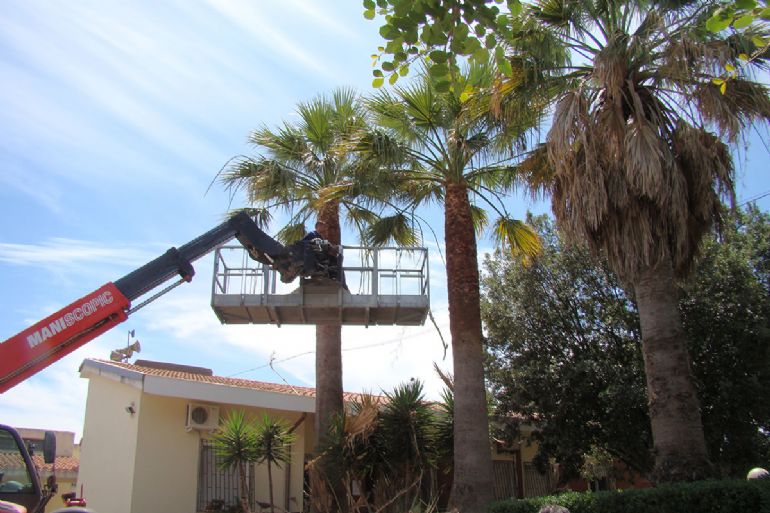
274 360
755 198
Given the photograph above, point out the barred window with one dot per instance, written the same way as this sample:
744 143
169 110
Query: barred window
219 489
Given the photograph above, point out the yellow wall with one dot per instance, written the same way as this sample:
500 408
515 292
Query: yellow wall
108 449
166 469
66 484
148 461
294 471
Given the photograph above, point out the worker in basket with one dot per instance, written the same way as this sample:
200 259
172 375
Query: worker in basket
322 254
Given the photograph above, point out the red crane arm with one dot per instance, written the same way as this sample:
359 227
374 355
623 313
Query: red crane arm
59 334
56 336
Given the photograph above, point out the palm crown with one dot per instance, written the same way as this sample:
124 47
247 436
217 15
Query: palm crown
431 140
638 174
307 167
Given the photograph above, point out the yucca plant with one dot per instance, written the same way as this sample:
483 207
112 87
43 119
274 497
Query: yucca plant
384 449
273 446
236 444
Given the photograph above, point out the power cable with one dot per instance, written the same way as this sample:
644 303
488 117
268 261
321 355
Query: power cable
755 198
273 360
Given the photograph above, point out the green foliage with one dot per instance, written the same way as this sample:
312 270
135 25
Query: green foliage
728 496
565 325
407 428
240 441
309 166
438 32
236 440
273 441
726 312
563 347
428 139
739 14
236 444
747 19
390 447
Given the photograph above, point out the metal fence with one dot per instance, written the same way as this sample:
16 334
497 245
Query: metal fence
218 489
535 483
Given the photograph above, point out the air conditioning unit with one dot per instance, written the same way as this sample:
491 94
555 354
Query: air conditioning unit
202 416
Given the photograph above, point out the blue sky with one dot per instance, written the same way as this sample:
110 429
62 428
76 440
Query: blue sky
114 119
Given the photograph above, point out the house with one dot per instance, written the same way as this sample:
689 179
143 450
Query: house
147 431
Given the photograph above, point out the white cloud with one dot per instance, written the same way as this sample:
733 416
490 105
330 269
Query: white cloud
69 252
250 18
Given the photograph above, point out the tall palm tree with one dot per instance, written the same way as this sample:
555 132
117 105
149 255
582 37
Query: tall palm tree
639 155
441 155
307 171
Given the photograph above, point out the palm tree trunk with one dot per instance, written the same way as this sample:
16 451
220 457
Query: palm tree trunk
328 366
328 372
677 428
244 489
328 363
472 484
270 485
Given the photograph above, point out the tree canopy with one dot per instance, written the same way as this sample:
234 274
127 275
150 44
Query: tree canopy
564 349
439 33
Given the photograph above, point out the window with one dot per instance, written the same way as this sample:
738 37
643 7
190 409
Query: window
219 489
14 477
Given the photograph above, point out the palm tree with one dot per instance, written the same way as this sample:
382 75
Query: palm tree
440 155
308 171
236 444
273 446
638 173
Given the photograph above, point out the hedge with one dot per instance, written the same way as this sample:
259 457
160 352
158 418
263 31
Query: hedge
727 496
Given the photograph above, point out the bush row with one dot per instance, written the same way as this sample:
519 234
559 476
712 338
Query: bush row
727 496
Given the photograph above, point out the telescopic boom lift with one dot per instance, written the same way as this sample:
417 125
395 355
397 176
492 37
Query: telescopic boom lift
54 337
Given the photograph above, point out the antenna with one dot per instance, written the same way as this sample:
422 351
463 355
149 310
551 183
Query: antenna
123 354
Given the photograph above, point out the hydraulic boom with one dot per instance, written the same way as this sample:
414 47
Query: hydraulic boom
49 340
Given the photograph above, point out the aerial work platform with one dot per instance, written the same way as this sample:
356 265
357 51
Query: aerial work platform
385 286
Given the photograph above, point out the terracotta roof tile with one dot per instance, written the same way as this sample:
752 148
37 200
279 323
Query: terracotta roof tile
63 463
220 380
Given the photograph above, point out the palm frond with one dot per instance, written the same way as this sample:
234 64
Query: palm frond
262 216
235 441
535 171
333 193
287 144
480 219
396 228
520 238
744 103
291 233
501 178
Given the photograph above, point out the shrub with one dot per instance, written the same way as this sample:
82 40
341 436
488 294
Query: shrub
728 496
